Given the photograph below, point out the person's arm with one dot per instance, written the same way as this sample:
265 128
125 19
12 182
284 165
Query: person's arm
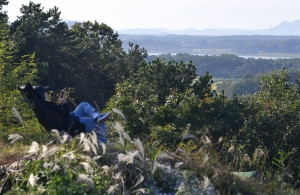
62 97
63 103
62 107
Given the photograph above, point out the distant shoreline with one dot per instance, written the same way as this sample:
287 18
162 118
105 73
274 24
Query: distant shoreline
217 53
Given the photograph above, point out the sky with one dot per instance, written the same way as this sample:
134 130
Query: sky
172 14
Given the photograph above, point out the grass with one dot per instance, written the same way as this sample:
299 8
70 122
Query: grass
11 153
129 167
54 168
218 81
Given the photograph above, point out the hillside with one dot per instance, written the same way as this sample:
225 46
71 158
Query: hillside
283 29
285 46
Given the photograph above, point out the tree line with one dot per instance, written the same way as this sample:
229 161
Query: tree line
250 45
238 75
231 66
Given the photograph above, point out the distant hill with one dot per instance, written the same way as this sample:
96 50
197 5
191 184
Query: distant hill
287 28
281 40
71 22
284 28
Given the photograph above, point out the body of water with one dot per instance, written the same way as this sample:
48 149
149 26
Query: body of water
265 57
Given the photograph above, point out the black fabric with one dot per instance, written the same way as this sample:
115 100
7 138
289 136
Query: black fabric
74 126
62 110
41 90
50 115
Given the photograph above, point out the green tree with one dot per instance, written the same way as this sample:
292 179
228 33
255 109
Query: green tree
246 86
298 83
161 77
88 57
43 33
272 119
3 15
13 71
100 61
161 96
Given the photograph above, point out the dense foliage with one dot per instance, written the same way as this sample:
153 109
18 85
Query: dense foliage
88 56
160 98
272 121
13 71
231 66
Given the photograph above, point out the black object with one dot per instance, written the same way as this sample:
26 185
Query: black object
297 186
48 118
41 90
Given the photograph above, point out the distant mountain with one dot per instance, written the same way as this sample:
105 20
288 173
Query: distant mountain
284 28
287 28
140 31
71 22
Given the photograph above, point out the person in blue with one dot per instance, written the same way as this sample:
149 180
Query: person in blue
84 113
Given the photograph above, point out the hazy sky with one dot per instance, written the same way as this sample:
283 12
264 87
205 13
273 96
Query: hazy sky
172 14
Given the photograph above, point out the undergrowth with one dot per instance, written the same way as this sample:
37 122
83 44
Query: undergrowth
128 166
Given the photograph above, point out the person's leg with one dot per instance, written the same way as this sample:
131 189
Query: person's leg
91 125
93 120
84 109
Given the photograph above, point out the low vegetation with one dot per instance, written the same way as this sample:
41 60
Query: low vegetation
81 166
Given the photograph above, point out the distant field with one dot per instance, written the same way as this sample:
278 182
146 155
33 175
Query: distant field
220 81
214 85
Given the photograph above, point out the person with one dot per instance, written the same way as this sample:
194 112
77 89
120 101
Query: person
83 113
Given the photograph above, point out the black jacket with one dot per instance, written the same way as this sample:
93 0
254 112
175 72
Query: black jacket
62 109
70 121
